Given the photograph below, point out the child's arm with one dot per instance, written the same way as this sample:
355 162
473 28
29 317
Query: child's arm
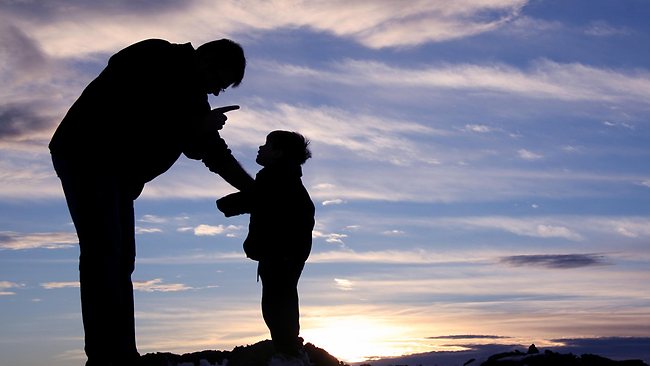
234 204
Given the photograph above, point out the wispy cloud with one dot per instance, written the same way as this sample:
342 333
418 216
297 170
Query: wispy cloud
375 25
468 336
154 285
200 258
336 201
604 29
478 128
147 230
556 261
344 284
6 287
542 79
529 155
373 137
531 226
627 226
209 230
334 238
10 240
27 177
157 285
393 232
59 285
153 219
29 77
416 256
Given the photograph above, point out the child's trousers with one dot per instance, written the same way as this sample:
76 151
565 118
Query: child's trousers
280 307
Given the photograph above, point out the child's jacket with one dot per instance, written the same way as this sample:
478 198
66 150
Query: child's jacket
282 215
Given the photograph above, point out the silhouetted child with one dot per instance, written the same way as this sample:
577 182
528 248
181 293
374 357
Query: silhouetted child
279 236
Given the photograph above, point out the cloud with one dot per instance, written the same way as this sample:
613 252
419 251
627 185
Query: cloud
629 227
343 284
329 237
147 230
571 149
21 57
153 219
477 128
619 124
555 261
413 23
157 285
529 155
208 230
415 256
468 336
17 120
333 202
59 285
24 176
533 226
67 30
201 258
32 89
393 232
6 286
542 79
10 240
604 29
370 137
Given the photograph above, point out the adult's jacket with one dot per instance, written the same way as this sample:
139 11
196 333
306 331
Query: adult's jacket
140 114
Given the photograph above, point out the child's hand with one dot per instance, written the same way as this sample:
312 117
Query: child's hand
233 204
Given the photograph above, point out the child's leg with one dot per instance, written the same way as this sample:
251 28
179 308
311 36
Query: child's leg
280 307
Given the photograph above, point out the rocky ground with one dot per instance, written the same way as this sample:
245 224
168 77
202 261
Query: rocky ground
260 353
253 355
549 358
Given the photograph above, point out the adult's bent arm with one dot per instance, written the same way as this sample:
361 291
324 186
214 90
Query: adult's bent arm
229 169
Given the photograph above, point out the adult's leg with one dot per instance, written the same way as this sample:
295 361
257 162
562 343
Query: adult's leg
103 216
280 303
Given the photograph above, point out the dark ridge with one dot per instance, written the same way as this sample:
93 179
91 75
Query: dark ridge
257 354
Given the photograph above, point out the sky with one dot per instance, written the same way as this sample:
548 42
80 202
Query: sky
480 171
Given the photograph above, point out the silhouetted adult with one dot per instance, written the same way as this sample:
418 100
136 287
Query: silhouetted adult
146 108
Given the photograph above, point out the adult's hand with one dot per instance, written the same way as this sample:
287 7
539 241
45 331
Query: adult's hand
216 118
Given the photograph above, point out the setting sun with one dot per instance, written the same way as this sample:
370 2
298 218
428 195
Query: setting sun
356 338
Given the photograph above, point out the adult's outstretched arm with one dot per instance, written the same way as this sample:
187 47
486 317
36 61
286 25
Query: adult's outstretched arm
207 145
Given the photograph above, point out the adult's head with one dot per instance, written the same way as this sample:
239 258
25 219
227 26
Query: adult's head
222 64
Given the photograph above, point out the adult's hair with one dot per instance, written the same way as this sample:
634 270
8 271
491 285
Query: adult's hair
294 146
224 53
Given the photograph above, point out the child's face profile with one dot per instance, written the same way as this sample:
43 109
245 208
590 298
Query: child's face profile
267 155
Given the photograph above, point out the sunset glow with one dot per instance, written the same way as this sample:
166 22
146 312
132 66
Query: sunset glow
480 175
354 339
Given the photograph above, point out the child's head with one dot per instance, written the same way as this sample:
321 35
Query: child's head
284 148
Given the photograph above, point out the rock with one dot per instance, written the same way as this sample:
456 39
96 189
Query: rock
257 354
550 358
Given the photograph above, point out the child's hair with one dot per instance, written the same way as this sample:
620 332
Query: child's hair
294 146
